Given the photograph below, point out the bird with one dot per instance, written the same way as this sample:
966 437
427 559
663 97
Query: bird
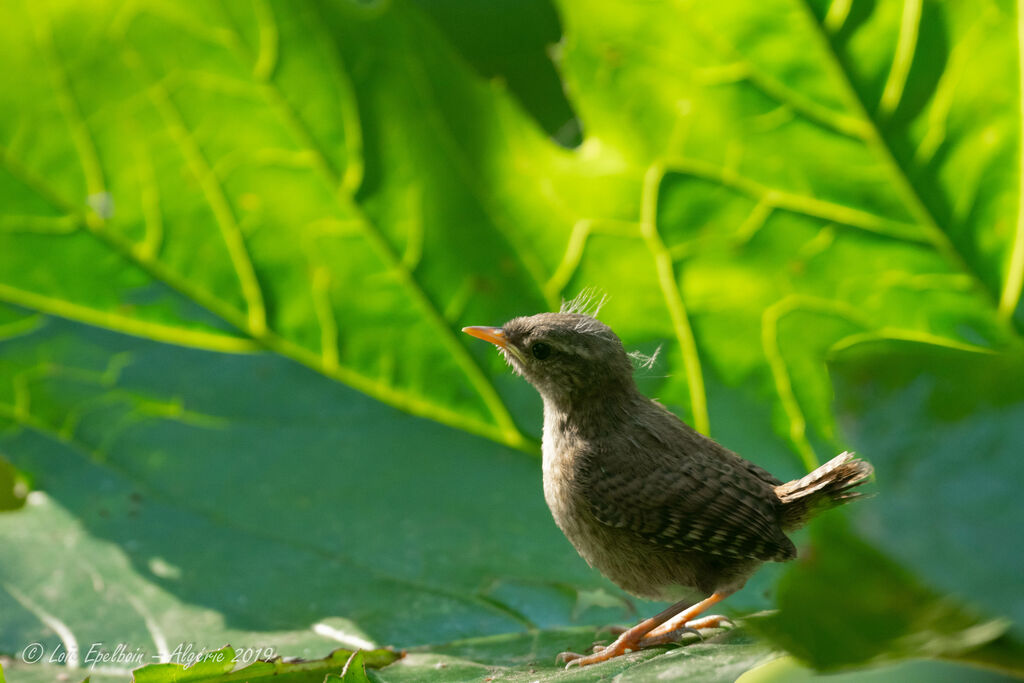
663 511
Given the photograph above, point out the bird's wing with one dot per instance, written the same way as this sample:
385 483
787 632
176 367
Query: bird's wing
693 496
761 473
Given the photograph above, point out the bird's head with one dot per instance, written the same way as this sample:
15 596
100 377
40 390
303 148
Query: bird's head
568 357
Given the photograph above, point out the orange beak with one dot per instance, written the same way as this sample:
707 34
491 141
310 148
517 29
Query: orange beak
495 335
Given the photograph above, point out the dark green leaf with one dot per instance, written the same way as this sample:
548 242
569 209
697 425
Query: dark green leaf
833 617
946 432
787 670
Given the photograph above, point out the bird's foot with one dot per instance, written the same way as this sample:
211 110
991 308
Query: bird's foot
629 640
624 644
671 632
662 628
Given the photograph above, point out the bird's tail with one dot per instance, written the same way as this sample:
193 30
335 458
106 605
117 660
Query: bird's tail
825 487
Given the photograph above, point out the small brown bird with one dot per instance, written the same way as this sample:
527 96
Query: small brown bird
663 511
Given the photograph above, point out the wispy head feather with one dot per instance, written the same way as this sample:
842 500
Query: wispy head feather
587 302
642 360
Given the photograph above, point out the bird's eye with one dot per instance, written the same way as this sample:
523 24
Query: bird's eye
540 350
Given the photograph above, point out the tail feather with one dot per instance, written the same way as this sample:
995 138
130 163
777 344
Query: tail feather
825 487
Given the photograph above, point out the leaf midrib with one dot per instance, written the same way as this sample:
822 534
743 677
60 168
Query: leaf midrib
904 184
504 430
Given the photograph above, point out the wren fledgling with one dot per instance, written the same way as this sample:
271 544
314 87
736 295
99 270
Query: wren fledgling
660 509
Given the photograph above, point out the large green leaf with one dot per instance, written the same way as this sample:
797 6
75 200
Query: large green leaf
183 502
235 190
778 192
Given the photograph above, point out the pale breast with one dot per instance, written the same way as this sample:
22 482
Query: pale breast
558 477
636 565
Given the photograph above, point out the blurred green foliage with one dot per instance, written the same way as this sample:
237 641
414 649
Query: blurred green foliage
238 240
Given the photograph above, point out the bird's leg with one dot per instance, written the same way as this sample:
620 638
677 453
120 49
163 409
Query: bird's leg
627 642
684 622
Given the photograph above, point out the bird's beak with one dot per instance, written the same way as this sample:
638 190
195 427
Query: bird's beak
495 335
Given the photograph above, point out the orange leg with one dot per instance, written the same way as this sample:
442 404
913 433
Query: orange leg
671 630
649 632
627 642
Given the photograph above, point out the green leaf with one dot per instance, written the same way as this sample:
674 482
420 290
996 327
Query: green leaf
509 40
777 195
938 557
787 670
13 487
884 615
220 666
355 670
945 432
220 218
269 219
690 180
180 505
207 666
527 658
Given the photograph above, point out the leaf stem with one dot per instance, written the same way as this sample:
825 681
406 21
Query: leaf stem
673 297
